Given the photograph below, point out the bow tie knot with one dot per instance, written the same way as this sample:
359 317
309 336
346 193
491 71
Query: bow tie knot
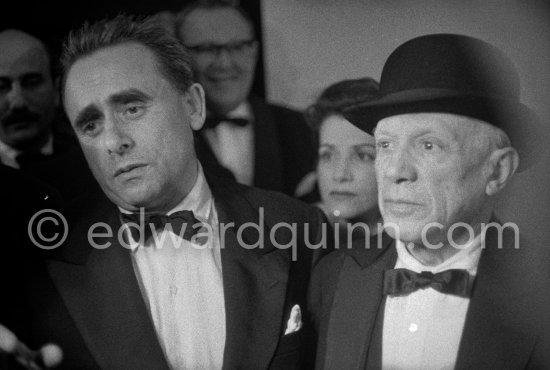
404 281
214 121
181 222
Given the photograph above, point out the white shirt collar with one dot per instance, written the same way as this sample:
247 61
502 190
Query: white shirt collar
9 154
243 110
467 258
199 200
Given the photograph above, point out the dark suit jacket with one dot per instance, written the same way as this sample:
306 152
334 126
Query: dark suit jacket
283 148
507 324
88 300
66 170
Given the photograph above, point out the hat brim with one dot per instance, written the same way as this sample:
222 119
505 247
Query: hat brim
520 124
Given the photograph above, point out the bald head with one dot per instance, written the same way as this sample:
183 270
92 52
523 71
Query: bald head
28 97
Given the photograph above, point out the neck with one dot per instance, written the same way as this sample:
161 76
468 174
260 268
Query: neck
445 245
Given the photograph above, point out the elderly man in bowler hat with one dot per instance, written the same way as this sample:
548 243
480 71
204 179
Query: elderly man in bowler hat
455 289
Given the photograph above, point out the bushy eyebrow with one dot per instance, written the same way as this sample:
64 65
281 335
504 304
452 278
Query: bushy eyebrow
93 112
128 96
90 113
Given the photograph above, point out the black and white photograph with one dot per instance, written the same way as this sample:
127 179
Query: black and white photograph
275 184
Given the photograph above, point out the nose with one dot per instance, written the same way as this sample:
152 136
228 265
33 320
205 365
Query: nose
16 96
223 58
117 139
342 171
396 166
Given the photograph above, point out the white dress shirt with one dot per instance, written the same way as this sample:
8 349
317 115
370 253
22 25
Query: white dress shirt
182 285
233 145
422 330
8 155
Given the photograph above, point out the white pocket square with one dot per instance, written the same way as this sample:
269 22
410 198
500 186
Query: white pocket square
294 323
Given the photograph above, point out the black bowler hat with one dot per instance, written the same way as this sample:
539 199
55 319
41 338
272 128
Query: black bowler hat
447 73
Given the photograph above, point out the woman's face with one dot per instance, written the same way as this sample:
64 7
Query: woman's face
345 169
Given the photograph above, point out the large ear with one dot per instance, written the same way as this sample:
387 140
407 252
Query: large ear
504 163
196 103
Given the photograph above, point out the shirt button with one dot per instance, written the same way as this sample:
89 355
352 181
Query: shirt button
413 328
173 290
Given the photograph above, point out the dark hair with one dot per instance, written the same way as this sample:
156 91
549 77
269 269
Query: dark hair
213 4
337 97
172 57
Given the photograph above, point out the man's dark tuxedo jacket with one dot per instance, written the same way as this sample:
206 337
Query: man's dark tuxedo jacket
283 148
507 324
65 170
88 300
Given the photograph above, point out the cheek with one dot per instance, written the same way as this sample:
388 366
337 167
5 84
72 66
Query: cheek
445 195
378 169
324 176
44 98
3 107
96 162
367 184
247 66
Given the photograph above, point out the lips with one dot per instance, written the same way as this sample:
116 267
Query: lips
401 207
128 168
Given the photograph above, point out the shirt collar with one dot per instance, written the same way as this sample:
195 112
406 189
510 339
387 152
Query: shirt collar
243 110
198 200
467 258
9 154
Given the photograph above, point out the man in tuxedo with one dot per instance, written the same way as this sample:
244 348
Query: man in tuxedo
454 289
31 125
178 270
244 137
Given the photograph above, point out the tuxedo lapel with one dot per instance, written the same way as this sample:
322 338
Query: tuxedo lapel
254 283
268 164
101 293
491 338
356 305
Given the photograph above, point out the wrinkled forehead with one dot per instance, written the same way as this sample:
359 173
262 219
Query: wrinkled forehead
22 53
94 78
449 125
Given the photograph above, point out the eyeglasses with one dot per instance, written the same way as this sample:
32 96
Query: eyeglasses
232 48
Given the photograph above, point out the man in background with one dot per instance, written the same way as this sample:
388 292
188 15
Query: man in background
244 137
31 124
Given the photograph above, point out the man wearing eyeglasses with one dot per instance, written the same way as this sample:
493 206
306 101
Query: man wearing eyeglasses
258 144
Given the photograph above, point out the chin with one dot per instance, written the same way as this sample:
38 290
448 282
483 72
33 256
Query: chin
131 200
346 212
406 231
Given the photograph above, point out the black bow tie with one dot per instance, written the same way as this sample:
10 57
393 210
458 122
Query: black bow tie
213 121
403 282
181 222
